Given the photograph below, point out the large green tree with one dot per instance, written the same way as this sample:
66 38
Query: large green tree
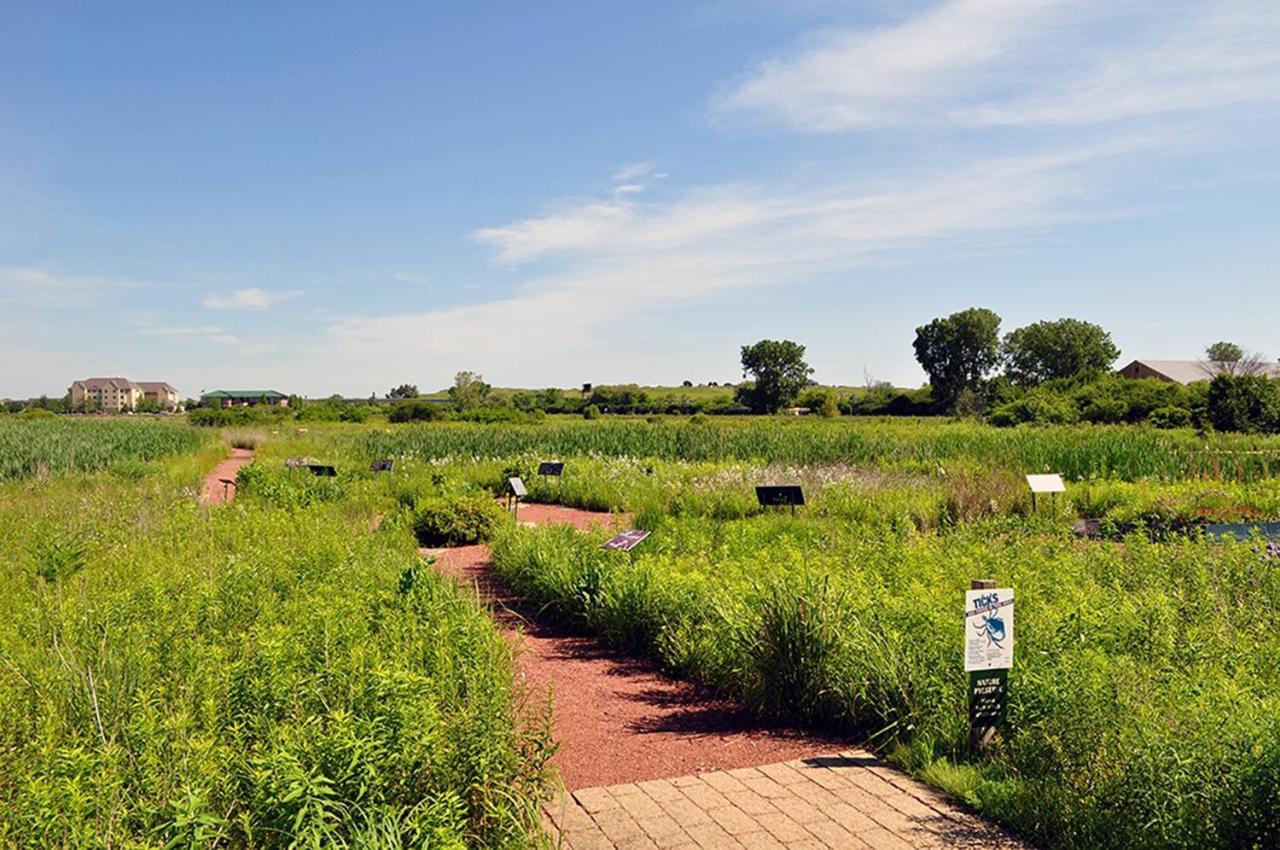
779 373
958 351
1067 348
469 391
404 391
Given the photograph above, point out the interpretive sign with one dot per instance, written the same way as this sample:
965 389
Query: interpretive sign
627 540
1046 483
551 468
516 487
322 470
381 465
779 497
988 629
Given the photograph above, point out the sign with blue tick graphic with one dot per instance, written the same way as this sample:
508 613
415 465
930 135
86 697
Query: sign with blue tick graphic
988 629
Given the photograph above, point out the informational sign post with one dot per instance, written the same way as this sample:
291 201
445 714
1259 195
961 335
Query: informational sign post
988 656
322 470
381 466
553 468
1050 483
780 497
515 490
626 540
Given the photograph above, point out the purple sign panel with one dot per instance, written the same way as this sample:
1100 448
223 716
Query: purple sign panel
627 540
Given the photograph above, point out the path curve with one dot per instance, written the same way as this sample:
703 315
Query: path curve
617 718
652 763
214 491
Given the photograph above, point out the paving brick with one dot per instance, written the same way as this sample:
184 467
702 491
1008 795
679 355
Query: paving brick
798 810
705 796
750 802
733 820
782 828
659 790
883 839
685 812
710 836
832 803
766 787
595 799
831 834
723 782
783 774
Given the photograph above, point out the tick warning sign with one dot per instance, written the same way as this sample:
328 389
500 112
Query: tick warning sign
988 629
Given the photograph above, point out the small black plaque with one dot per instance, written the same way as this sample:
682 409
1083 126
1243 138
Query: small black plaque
627 540
988 695
322 470
381 465
779 497
551 468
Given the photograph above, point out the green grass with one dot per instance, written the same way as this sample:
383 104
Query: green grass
61 445
1145 706
1080 453
266 674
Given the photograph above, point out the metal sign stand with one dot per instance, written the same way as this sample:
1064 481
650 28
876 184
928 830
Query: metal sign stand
515 489
554 468
779 496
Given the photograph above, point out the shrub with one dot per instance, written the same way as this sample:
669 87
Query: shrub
1244 403
415 411
1170 417
456 521
591 412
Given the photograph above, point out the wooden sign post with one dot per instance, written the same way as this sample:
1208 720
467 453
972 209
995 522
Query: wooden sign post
988 657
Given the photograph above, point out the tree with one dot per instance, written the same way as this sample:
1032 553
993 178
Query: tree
958 351
780 374
687 383
469 391
1244 403
1224 352
404 391
1227 358
1067 348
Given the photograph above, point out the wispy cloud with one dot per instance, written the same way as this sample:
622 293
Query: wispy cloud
248 299
621 258
211 333
1023 62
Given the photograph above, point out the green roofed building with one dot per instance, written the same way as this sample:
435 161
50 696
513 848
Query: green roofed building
243 398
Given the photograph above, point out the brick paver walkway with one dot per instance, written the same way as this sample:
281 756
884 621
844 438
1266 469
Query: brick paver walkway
848 800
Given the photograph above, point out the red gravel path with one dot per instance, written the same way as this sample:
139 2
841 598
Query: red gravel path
214 491
617 718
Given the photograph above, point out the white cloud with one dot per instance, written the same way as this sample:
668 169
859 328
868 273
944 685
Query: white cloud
620 260
211 333
248 299
1024 62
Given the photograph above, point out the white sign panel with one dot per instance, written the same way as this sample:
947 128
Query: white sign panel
988 629
1046 483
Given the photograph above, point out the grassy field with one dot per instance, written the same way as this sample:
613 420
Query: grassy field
58 445
255 675
159 692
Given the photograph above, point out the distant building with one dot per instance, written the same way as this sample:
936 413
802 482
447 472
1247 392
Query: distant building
163 395
114 395
1186 371
244 398
107 394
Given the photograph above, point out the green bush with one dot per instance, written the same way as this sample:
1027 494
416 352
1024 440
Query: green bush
416 411
1170 417
456 520
591 411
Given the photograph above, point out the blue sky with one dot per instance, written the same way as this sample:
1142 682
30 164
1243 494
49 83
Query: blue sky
328 198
